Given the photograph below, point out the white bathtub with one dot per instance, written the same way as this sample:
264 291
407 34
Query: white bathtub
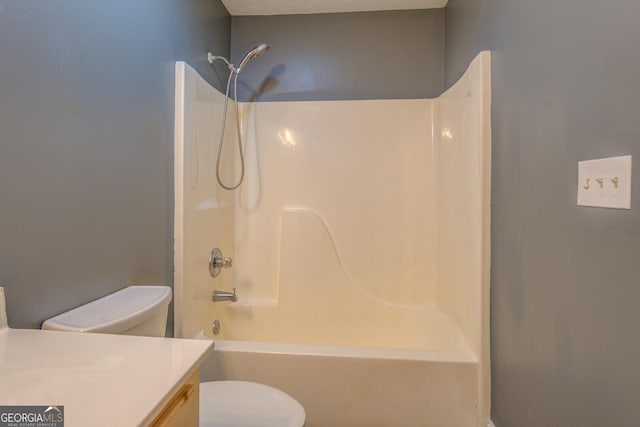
351 359
360 386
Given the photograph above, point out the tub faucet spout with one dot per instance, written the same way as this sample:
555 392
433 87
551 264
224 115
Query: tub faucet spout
225 296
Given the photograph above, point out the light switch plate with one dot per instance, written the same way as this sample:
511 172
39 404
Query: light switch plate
605 183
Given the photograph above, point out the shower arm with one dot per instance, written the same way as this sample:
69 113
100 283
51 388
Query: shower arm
212 58
256 51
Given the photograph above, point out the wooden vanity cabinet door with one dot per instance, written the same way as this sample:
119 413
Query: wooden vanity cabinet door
183 408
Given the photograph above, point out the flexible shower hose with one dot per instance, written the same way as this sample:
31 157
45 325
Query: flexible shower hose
232 75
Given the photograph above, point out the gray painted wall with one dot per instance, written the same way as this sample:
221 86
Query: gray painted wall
86 144
393 54
86 128
565 280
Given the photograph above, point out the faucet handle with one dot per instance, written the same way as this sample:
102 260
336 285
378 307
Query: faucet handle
217 261
223 262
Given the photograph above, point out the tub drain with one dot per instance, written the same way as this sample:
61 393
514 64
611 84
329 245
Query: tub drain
216 327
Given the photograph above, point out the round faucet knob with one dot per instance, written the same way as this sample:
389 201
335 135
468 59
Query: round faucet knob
218 261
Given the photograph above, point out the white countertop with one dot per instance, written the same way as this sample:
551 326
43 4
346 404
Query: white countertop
101 380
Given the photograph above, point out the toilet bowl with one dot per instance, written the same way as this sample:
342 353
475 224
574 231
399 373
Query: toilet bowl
142 310
246 404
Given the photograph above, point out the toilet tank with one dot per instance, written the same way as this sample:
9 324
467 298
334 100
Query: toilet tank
134 310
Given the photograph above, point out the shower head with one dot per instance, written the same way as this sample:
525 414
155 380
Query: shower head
256 51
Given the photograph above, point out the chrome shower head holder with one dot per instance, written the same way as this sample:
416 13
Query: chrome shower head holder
213 58
256 51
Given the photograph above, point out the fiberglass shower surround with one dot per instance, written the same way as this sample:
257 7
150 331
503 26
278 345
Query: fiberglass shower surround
360 244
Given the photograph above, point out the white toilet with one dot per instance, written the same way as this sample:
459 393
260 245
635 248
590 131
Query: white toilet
246 404
142 310
135 310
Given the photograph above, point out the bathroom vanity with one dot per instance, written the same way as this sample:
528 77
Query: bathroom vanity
101 379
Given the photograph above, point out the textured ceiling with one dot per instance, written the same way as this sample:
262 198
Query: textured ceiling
289 7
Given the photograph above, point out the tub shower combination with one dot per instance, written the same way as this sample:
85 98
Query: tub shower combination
360 247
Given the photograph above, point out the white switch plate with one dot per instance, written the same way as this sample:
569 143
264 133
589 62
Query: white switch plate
605 183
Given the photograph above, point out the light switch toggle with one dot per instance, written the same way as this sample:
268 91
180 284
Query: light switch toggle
616 182
613 183
600 181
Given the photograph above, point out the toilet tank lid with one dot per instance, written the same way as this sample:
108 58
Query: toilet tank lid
114 313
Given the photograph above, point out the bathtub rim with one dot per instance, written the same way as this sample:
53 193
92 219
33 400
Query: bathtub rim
459 353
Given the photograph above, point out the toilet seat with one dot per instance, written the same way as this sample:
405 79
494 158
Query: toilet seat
247 404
